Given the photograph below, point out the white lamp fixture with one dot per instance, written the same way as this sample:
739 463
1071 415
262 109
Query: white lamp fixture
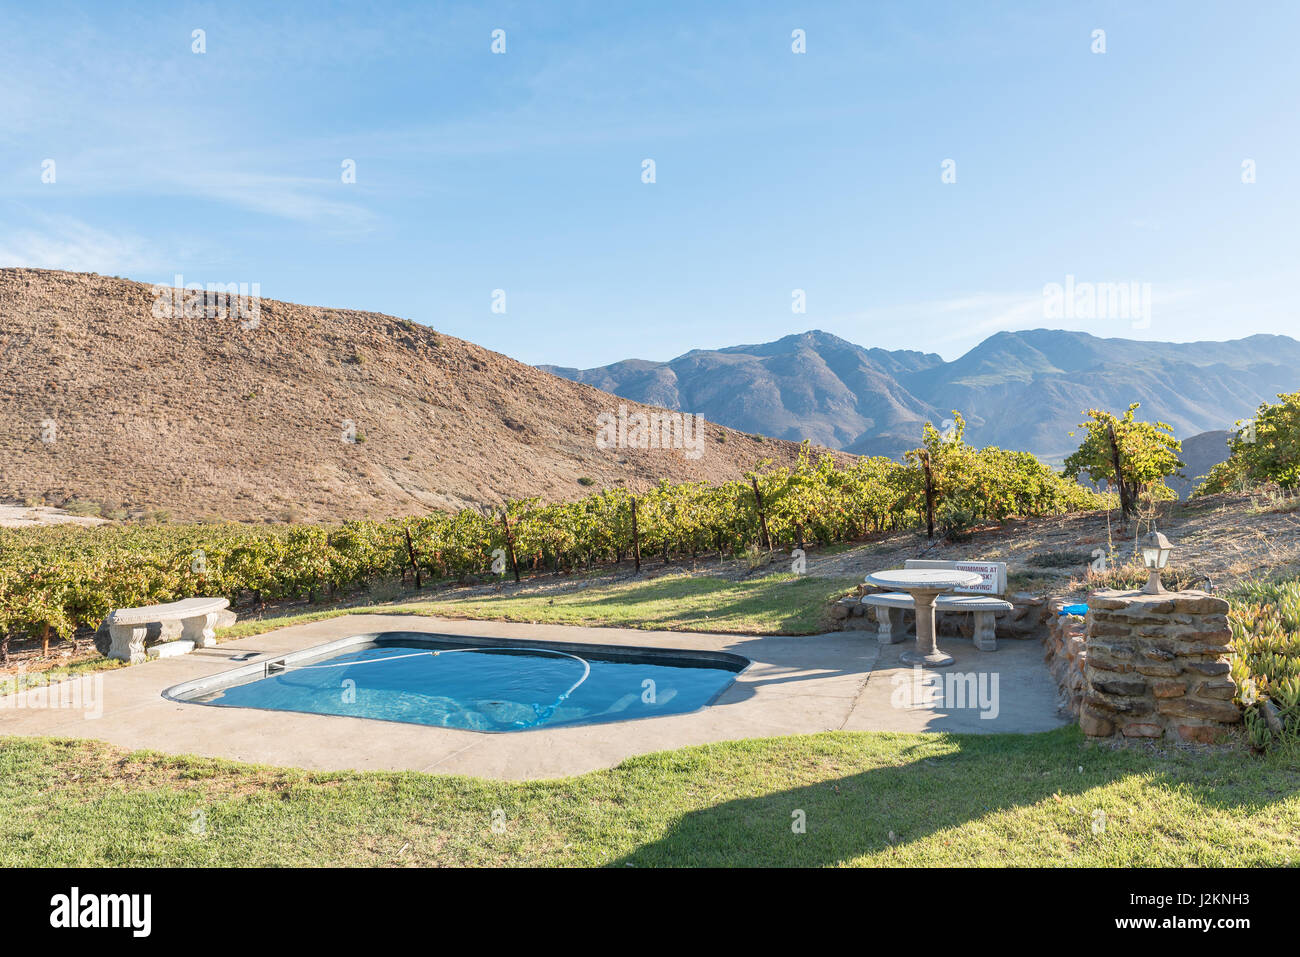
1156 550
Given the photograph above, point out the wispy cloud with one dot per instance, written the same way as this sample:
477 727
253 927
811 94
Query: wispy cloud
63 242
314 201
205 171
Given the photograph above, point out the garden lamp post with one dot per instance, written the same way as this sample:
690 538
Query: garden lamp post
1156 550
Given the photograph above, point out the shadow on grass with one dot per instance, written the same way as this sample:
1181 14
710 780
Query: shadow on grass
939 788
791 604
781 603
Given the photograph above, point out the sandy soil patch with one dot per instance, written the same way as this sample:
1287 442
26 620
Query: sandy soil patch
20 516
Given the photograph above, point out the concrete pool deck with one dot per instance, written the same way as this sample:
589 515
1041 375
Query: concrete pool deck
796 685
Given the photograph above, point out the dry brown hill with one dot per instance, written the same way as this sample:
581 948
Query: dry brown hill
205 418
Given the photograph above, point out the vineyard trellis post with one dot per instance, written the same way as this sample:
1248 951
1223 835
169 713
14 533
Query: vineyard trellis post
636 538
929 494
510 544
328 587
410 553
762 517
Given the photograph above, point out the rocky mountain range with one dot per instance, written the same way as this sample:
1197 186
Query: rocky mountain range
317 413
1021 390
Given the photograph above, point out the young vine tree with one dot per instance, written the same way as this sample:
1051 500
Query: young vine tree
1132 456
1264 449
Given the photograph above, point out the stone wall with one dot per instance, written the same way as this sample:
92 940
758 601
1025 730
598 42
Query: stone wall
1025 620
1065 651
1153 665
850 614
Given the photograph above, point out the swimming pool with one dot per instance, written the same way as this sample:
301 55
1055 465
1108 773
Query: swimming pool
477 684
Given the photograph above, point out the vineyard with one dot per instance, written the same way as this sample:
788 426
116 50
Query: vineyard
58 581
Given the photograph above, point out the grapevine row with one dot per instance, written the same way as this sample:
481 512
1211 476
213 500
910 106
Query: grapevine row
57 580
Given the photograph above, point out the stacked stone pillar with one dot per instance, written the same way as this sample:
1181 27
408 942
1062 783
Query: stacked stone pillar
1066 651
1158 665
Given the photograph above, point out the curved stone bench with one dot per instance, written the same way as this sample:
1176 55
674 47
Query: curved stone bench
891 605
128 627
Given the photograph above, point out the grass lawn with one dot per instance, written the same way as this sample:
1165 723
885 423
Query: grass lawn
783 604
867 799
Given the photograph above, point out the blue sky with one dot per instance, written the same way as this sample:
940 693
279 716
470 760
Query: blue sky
775 171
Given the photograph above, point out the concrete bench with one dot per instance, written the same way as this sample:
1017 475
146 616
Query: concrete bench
197 617
981 600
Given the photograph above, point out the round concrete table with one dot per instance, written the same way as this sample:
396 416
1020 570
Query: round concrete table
924 585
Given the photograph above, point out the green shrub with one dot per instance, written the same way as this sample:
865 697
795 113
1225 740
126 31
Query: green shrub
1265 450
1265 622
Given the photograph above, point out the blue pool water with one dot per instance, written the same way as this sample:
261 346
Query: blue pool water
485 688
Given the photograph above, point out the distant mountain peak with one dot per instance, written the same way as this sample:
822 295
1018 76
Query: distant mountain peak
1023 389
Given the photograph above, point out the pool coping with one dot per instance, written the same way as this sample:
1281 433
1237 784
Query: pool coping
794 685
187 691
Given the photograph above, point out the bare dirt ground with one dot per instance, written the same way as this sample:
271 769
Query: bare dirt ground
20 516
1225 538
313 414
